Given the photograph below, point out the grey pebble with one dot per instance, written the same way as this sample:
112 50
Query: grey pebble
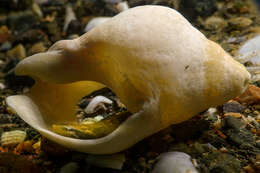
5 46
233 107
71 167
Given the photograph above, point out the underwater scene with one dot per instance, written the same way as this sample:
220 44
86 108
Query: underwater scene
129 86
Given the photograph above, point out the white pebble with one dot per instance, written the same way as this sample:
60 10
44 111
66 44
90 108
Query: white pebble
122 6
2 86
249 52
174 162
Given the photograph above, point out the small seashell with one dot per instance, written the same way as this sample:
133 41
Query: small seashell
96 103
13 138
114 161
95 22
174 162
70 15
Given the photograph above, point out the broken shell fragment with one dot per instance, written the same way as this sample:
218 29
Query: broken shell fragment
174 162
13 138
163 75
97 102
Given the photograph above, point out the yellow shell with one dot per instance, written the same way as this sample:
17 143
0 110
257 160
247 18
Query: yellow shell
162 69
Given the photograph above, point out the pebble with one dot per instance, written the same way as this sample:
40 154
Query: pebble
215 23
74 27
2 86
255 112
13 138
73 36
22 21
41 2
258 143
244 137
250 96
174 162
37 48
54 30
218 162
122 6
114 161
112 1
193 9
6 46
37 10
232 122
31 36
2 63
5 34
17 52
70 15
71 167
233 106
248 48
240 22
236 115
249 169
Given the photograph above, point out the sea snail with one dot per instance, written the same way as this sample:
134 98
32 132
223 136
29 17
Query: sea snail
163 70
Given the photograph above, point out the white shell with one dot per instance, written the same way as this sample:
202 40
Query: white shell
13 138
95 22
162 69
95 102
174 162
114 161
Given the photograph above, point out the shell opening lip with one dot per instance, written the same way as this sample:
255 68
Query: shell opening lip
41 100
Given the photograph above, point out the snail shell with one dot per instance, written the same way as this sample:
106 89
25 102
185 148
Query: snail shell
163 69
